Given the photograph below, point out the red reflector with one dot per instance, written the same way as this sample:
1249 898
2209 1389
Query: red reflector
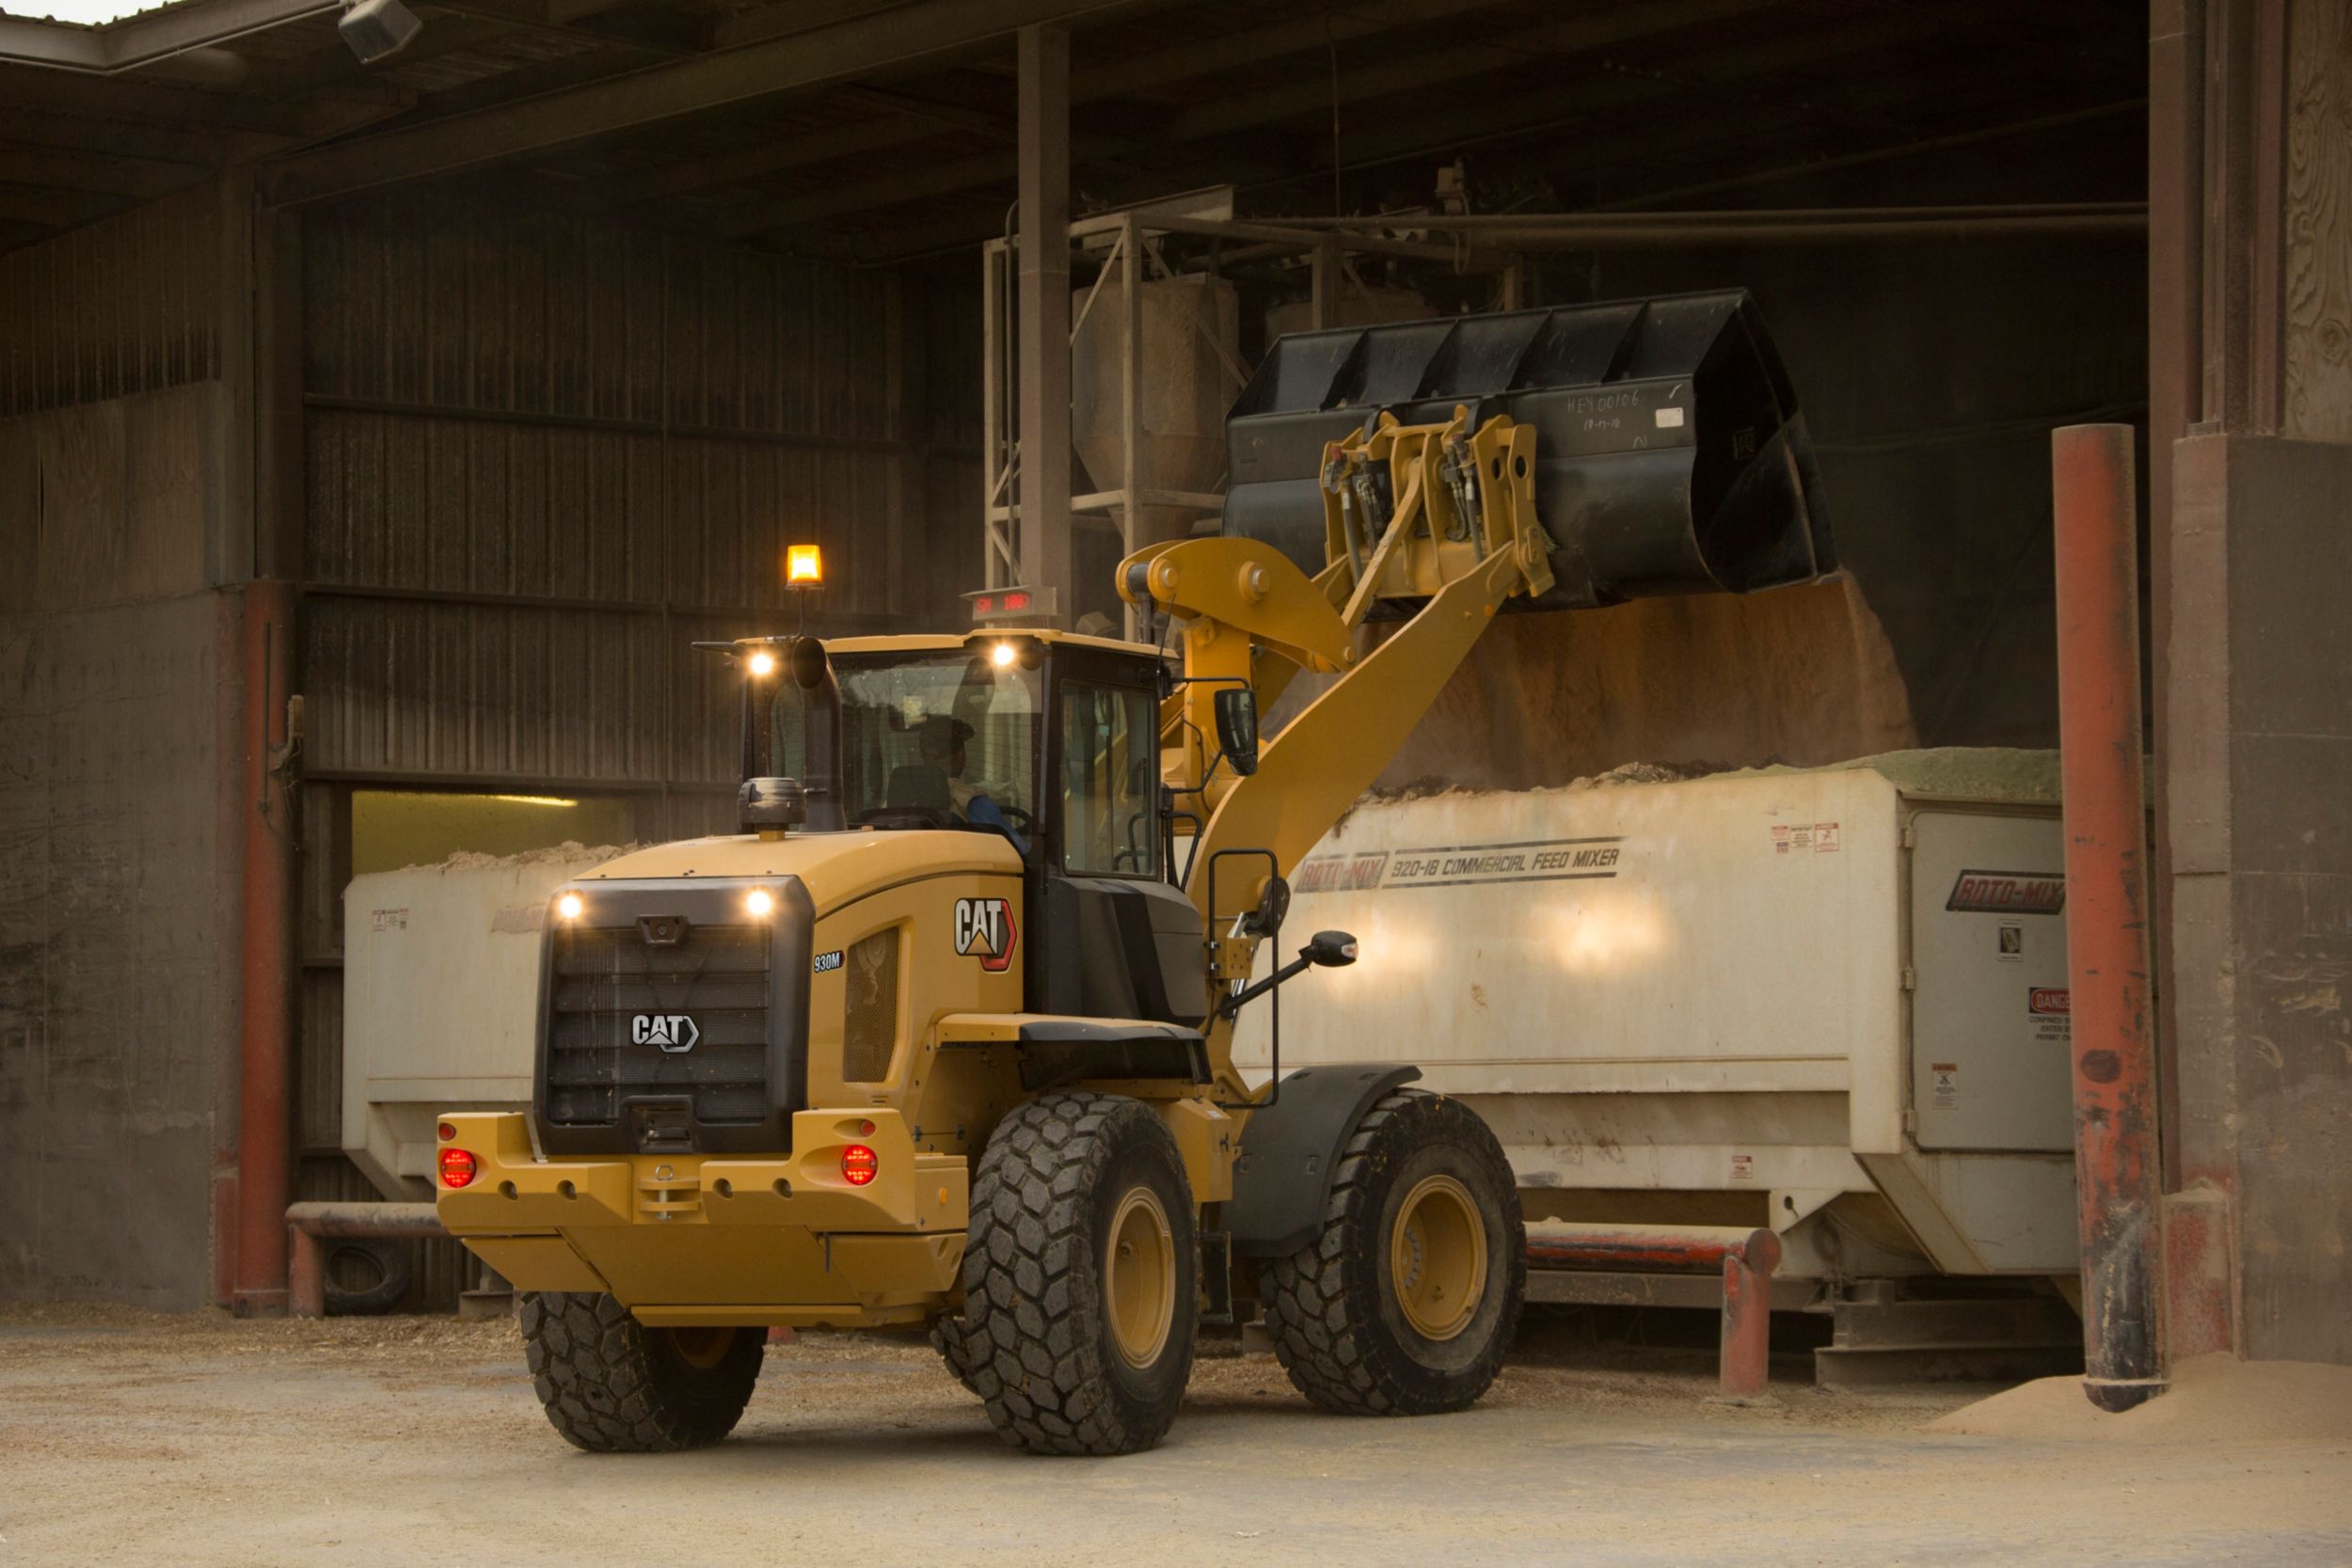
456 1168
1016 601
858 1164
447 1132
866 1128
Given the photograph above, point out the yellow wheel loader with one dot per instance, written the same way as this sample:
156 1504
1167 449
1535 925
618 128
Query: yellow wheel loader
943 1036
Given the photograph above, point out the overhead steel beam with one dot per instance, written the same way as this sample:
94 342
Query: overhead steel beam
1419 70
54 207
1218 51
904 122
837 52
759 216
759 23
138 41
1228 115
336 66
1117 79
24 86
1598 119
74 132
761 159
139 178
1828 50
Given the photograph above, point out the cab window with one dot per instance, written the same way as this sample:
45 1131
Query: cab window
1109 764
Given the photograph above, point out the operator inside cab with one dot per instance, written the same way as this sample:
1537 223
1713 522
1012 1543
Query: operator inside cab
945 747
929 738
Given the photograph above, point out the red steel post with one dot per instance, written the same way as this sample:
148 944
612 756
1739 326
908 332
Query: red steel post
265 1131
1745 1364
305 1274
2107 912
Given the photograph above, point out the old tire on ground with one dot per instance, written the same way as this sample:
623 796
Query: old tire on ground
1080 1277
1406 1301
610 1384
383 1263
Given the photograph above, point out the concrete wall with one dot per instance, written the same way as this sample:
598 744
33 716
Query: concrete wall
117 893
2261 908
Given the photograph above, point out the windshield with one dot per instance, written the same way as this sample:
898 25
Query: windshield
926 739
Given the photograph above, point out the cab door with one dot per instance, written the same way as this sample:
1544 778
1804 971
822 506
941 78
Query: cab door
1115 940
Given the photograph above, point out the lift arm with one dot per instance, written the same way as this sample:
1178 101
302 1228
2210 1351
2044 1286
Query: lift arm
1461 536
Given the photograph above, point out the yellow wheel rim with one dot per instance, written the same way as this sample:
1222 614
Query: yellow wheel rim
703 1347
1139 1277
1437 1258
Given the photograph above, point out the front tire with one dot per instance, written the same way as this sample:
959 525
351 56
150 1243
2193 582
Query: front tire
1080 1277
610 1384
1406 1301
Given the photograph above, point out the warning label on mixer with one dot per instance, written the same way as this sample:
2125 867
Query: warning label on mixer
1458 864
2050 1012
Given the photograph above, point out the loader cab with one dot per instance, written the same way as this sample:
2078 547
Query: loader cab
1047 739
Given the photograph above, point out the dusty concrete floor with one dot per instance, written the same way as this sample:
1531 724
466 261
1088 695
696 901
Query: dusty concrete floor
126 1438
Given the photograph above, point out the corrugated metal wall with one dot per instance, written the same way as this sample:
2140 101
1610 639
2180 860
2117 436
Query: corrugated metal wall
129 304
543 456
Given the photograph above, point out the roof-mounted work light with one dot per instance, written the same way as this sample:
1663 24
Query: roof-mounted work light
377 29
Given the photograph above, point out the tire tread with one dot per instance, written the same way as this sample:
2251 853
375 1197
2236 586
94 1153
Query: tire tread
598 1378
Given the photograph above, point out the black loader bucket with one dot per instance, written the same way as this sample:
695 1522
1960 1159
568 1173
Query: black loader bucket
1670 454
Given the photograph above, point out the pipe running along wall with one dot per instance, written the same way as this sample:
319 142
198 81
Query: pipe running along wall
2107 912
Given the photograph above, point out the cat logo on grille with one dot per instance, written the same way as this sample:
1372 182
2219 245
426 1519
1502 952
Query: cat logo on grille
985 931
672 1032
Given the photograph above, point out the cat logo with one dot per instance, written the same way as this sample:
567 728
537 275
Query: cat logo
985 929
672 1032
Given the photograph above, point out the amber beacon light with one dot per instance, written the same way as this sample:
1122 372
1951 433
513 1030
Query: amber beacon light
804 567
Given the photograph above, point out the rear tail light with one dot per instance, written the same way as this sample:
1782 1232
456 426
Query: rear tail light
858 1164
456 1168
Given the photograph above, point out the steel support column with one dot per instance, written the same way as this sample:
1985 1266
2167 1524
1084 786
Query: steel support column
1043 483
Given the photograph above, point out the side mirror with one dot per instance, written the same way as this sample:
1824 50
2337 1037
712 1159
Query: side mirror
1237 727
1330 950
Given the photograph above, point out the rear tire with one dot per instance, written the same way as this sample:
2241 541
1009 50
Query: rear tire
1406 1301
1080 1277
610 1384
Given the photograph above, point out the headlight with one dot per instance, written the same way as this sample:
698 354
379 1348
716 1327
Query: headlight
761 903
762 663
568 906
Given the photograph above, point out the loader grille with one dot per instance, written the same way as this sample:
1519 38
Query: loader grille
669 1022
602 981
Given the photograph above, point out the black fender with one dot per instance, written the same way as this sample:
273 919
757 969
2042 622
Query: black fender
1283 1177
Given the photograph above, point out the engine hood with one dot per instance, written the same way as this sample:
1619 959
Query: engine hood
835 868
